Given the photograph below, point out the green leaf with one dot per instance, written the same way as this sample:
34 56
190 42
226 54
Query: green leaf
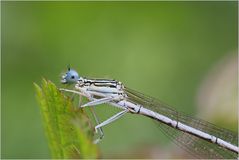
68 129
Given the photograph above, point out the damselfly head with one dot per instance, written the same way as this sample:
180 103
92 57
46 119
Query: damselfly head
71 76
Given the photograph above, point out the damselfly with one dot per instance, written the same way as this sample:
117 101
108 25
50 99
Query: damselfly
199 137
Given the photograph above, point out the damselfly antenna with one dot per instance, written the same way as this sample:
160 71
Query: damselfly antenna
68 67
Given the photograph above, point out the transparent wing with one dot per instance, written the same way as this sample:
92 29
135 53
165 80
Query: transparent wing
197 147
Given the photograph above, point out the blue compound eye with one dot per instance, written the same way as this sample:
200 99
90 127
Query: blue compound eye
71 76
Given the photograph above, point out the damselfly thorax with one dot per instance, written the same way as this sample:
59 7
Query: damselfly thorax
101 88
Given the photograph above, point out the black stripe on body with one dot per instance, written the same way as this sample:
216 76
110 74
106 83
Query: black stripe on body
102 82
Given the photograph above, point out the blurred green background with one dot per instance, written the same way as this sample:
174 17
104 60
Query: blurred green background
163 49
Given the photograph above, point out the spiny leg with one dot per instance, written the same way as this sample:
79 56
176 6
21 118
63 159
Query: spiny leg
71 91
91 110
80 100
94 103
99 101
101 133
77 92
111 119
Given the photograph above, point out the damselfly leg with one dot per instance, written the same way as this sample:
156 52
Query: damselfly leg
93 102
99 129
111 119
98 101
101 133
